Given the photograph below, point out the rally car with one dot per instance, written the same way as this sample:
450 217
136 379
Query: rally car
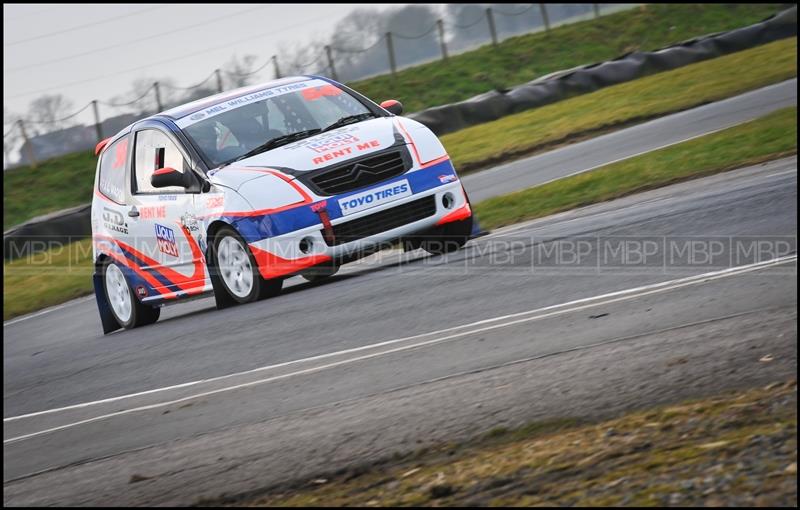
235 192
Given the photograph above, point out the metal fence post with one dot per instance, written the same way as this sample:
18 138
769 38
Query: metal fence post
158 96
27 144
596 11
543 11
275 65
330 62
97 124
492 30
390 48
441 38
219 79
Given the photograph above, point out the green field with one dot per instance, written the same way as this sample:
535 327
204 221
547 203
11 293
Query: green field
749 143
66 181
53 277
527 57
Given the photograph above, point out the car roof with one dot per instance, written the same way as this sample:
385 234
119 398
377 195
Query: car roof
181 111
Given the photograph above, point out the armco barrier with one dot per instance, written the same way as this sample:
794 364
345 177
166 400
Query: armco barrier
75 223
580 80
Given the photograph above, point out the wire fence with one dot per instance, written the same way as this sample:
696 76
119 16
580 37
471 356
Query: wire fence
389 53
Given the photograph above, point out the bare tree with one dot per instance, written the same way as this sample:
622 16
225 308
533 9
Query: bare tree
360 30
198 93
49 112
356 46
302 58
239 73
145 97
10 141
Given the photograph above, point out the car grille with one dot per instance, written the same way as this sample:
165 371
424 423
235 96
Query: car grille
384 220
358 174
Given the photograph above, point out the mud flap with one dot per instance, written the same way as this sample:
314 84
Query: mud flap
477 231
106 317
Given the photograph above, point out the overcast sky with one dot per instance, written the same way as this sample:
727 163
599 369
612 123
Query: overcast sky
95 51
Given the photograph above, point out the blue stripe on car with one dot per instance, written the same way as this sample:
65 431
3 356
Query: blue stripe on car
257 228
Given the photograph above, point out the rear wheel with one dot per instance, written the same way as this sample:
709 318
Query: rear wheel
447 238
235 272
127 310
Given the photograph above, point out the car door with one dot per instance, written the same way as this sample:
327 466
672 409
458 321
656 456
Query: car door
163 221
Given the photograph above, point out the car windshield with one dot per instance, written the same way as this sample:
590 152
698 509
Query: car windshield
230 130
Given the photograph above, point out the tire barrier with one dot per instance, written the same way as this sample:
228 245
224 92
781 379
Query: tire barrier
561 85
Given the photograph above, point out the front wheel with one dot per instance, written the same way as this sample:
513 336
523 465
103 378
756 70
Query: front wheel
235 272
128 311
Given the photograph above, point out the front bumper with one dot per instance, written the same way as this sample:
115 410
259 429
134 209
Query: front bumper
290 253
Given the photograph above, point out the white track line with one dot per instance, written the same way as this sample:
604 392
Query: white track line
538 314
48 310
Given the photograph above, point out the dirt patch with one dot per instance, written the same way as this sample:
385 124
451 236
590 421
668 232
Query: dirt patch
730 450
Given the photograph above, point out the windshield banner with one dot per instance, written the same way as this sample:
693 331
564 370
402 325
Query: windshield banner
232 104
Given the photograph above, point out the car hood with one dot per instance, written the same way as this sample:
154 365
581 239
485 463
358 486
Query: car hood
335 146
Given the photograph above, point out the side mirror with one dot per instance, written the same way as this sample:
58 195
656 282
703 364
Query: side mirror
168 176
392 106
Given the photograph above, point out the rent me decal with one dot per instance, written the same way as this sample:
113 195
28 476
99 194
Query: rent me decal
345 151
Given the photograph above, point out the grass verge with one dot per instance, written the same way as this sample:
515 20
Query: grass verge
54 185
730 450
768 137
526 57
47 278
671 91
66 181
55 276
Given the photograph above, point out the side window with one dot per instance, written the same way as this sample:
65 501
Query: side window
154 150
112 170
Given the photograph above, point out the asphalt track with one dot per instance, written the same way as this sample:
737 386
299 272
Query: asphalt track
629 142
399 348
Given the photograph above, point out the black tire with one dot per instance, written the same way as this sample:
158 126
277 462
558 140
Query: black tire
447 238
140 313
224 294
320 271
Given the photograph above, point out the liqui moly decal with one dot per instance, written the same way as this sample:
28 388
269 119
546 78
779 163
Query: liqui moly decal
166 240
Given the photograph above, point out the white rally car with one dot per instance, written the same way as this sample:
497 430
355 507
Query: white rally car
234 193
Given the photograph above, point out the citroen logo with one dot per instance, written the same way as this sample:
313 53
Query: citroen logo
358 168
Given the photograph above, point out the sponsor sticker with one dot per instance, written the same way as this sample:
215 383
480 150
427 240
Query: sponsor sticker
214 202
189 221
375 197
320 92
447 178
166 240
167 198
345 151
114 221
